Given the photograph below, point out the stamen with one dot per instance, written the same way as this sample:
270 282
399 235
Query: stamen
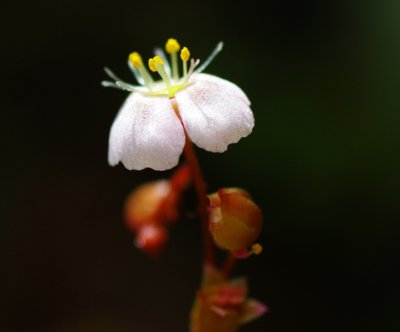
118 82
193 65
136 73
156 64
185 55
160 52
125 86
136 61
211 57
108 84
111 75
153 63
172 47
119 85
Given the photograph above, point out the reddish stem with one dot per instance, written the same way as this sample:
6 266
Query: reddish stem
229 265
201 191
200 186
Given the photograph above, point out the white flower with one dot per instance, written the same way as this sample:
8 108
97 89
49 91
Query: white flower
149 130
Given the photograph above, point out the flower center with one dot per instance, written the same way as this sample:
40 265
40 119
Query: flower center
170 82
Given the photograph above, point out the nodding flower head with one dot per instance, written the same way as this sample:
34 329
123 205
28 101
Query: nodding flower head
150 128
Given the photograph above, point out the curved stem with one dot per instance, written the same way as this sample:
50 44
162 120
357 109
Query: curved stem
201 191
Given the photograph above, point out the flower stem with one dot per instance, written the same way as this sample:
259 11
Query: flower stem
200 186
201 191
228 265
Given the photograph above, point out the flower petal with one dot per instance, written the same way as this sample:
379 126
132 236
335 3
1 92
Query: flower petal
146 133
215 112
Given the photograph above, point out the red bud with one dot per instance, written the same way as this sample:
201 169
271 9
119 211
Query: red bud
151 239
154 205
235 220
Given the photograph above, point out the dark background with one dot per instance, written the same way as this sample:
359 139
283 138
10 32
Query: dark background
322 162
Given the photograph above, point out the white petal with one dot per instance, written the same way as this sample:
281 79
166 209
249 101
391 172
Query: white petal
146 133
215 112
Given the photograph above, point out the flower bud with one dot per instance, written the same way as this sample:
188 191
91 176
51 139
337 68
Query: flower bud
151 239
223 305
143 205
153 206
235 220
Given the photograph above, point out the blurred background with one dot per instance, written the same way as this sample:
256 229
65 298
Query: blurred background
322 162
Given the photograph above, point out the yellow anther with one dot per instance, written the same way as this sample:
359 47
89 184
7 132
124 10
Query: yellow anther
172 46
158 60
136 60
153 62
185 54
152 65
256 248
